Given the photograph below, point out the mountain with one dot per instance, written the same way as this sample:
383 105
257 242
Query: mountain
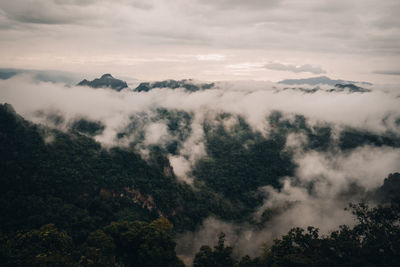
348 88
318 80
188 84
351 88
107 80
7 74
390 189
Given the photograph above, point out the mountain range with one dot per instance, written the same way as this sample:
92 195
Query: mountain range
319 80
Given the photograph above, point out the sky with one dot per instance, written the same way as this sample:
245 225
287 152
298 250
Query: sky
205 39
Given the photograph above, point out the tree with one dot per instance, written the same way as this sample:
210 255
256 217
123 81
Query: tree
43 247
143 244
373 241
297 248
99 250
221 256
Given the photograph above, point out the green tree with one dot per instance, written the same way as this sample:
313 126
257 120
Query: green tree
43 247
221 256
99 250
373 241
144 244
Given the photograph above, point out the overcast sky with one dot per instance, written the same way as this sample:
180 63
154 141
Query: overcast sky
205 39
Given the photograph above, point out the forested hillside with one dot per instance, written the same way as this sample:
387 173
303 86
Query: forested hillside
68 201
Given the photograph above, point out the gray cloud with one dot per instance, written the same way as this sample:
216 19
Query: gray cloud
145 5
387 72
75 2
293 68
43 11
64 12
249 4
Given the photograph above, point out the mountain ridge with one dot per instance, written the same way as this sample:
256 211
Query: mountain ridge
319 80
106 80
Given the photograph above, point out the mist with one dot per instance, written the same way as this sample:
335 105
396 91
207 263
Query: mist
324 181
317 195
253 100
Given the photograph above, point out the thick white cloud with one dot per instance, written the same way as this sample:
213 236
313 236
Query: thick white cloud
376 111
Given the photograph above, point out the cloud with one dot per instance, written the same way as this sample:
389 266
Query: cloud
376 111
253 100
387 72
93 35
141 5
322 188
323 183
156 133
41 12
69 78
54 12
75 2
210 57
294 68
249 4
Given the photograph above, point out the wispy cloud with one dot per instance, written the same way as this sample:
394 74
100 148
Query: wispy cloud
210 57
295 68
387 72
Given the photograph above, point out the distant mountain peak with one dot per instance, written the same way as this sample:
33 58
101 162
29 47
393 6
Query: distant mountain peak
188 84
107 75
106 80
351 88
319 80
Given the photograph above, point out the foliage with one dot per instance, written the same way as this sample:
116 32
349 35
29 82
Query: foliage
133 244
43 247
117 244
75 184
219 256
352 138
66 201
241 160
88 127
390 188
373 241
